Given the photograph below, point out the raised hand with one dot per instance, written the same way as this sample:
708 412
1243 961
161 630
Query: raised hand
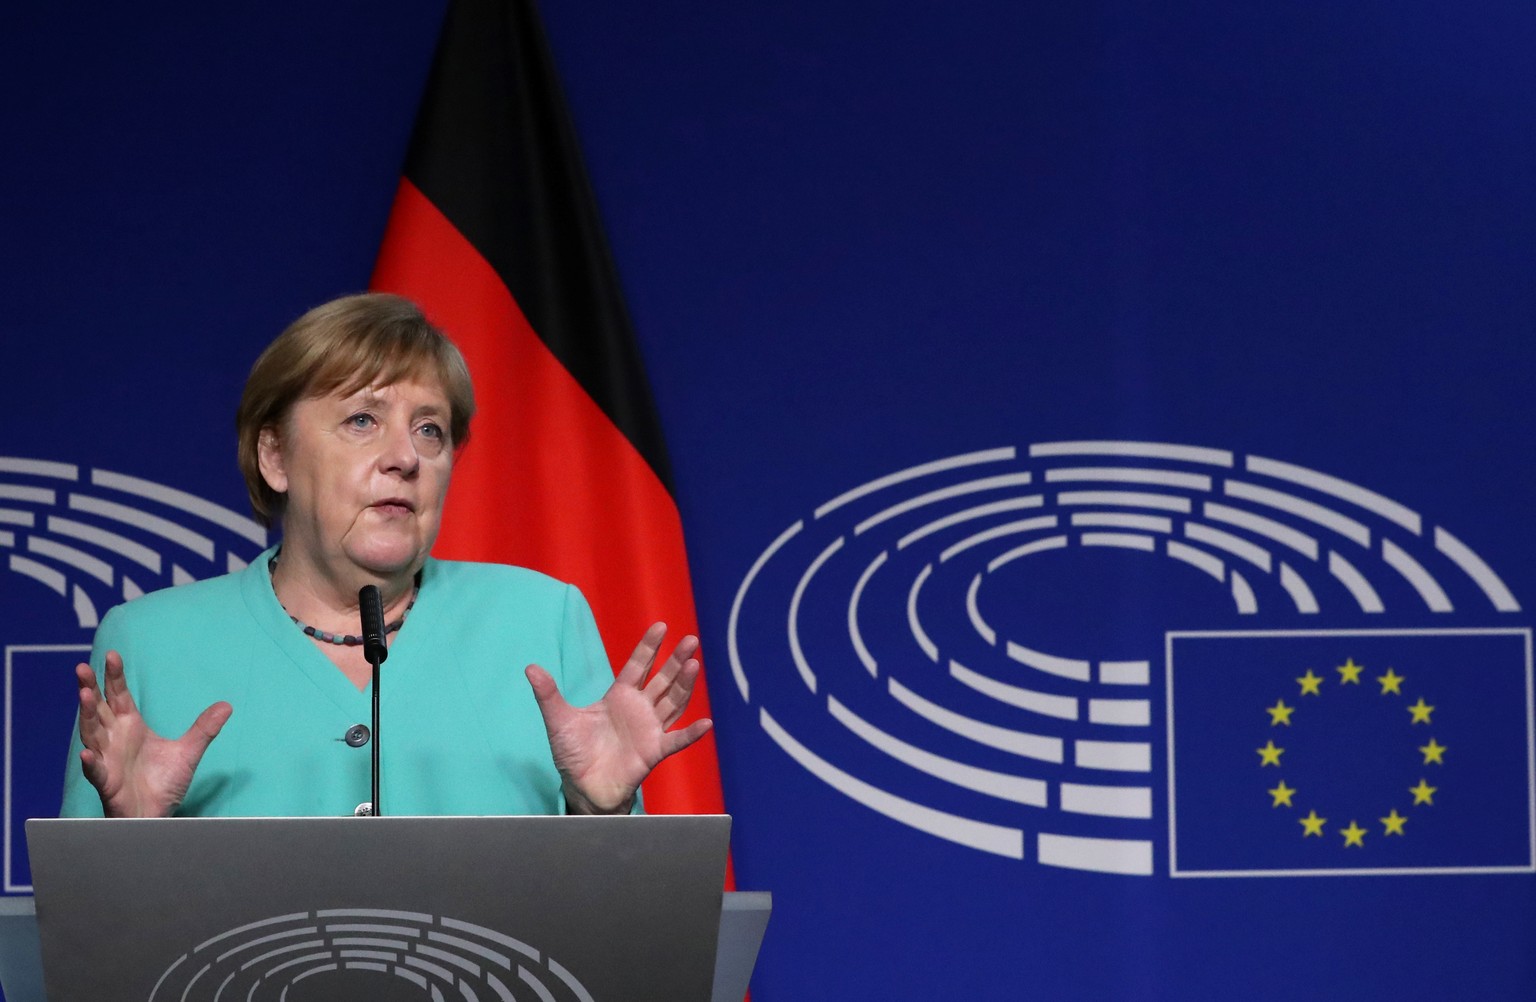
605 750
137 773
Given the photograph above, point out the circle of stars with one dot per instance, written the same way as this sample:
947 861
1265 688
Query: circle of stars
1284 795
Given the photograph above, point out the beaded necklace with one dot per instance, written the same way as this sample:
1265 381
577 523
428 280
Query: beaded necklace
346 639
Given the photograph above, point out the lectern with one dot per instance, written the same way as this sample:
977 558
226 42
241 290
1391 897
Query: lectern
559 909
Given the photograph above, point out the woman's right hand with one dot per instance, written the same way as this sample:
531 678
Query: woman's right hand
137 773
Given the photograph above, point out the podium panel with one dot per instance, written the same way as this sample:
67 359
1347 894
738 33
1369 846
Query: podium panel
558 909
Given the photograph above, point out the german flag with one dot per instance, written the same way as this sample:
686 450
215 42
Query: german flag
495 233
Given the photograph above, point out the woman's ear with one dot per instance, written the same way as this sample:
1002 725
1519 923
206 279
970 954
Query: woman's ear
269 457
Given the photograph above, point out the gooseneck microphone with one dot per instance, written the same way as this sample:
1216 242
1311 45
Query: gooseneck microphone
371 607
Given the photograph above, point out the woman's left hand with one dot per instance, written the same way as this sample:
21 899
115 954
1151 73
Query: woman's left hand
605 750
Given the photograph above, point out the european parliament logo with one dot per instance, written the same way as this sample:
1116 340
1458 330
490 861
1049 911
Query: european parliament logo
1141 658
74 542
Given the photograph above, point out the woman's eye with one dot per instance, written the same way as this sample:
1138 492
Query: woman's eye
431 430
360 420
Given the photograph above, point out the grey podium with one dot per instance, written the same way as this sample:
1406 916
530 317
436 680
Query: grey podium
296 909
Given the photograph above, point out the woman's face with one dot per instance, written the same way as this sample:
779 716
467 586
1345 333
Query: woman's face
364 475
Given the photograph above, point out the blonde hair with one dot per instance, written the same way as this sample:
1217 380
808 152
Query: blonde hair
370 339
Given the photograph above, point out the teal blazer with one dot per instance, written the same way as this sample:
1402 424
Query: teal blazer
462 733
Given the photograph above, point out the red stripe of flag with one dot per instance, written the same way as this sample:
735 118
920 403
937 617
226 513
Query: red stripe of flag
494 233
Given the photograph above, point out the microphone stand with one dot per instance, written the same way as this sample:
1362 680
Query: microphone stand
377 812
371 608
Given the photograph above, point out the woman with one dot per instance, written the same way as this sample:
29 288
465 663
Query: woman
348 429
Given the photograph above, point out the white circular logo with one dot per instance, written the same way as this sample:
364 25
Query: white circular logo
932 643
327 949
97 538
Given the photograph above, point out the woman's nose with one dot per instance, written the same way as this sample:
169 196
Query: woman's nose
399 450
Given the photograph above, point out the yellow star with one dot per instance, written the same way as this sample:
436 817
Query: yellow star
1349 672
1391 682
1423 793
1269 754
1279 713
1312 825
1421 711
1394 822
1282 795
1310 683
1433 752
1353 835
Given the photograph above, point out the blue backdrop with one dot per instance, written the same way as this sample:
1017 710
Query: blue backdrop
1010 723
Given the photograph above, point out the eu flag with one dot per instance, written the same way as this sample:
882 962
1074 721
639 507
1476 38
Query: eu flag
1324 752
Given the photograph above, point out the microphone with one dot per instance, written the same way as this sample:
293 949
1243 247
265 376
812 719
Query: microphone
371 608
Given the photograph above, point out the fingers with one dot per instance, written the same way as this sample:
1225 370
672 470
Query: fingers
543 683
96 720
115 685
94 768
673 700
671 687
552 704
204 729
90 705
675 741
100 709
675 665
85 677
639 664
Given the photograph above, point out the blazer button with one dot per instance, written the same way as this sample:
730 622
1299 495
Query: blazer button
357 735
